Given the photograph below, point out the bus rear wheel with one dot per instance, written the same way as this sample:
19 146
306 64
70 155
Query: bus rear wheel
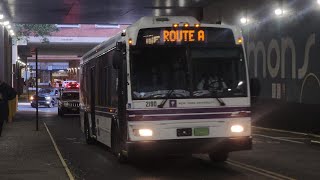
218 156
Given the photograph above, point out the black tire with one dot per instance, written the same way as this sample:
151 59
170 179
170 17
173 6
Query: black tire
218 156
61 113
89 139
115 144
51 105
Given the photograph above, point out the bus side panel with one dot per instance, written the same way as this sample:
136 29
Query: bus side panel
103 129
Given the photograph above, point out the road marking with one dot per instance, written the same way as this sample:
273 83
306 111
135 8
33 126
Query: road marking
285 131
59 154
23 104
315 142
297 138
263 172
280 139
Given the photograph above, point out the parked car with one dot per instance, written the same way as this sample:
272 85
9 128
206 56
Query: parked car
64 83
69 103
46 97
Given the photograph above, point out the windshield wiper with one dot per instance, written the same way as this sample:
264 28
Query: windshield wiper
221 102
166 99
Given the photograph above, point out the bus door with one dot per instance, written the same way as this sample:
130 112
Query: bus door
93 99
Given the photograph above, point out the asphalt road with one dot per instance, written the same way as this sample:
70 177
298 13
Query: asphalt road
274 156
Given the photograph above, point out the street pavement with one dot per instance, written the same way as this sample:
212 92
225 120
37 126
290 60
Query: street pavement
275 155
27 154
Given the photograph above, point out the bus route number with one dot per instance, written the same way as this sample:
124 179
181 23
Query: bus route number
151 104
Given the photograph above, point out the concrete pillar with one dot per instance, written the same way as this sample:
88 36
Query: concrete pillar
5 56
2 59
14 58
8 57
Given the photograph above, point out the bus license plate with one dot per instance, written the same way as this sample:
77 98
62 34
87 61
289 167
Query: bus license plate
184 132
203 131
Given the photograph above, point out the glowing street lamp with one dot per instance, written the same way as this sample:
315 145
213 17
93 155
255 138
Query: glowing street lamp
318 1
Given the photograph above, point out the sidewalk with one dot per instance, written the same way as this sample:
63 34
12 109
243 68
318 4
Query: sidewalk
28 154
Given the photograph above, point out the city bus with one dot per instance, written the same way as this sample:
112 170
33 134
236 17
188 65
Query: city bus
167 85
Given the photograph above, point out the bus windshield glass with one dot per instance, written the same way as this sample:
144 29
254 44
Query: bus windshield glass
218 72
188 73
157 71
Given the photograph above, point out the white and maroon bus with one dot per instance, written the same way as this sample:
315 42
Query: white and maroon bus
168 85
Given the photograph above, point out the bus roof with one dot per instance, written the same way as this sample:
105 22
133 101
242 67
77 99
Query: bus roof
132 31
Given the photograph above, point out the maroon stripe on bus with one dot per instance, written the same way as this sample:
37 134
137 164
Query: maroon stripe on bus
187 117
186 110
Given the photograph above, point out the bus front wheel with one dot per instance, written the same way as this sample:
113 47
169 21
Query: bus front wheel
218 156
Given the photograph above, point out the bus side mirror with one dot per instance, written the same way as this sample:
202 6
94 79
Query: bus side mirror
119 46
118 56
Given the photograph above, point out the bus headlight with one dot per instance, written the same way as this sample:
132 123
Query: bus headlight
237 129
66 104
48 98
143 132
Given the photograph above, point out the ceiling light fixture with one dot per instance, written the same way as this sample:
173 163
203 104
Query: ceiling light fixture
6 23
279 12
244 20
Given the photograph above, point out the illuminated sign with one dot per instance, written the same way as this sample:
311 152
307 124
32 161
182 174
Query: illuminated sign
182 35
152 40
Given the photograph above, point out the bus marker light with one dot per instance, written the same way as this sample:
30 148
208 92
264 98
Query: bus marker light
130 41
197 25
240 41
237 129
175 25
186 25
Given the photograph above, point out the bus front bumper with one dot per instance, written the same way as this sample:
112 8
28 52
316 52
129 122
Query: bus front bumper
184 146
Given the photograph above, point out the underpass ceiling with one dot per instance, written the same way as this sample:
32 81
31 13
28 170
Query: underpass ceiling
125 12
97 11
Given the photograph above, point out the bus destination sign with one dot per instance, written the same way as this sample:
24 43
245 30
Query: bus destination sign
182 35
166 36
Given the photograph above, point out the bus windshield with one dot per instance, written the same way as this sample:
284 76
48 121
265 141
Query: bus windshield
156 71
218 72
181 72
